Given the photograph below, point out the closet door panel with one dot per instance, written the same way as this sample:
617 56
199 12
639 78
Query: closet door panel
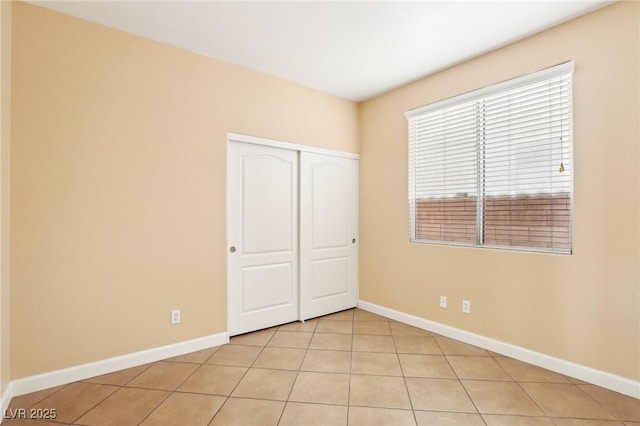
328 234
262 228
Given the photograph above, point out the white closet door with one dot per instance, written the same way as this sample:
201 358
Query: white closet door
328 234
262 226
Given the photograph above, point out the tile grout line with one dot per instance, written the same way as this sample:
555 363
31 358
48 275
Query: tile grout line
460 381
41 399
542 410
597 402
404 379
243 376
91 383
99 402
174 390
286 402
523 390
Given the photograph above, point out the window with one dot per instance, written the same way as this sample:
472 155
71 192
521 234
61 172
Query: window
493 167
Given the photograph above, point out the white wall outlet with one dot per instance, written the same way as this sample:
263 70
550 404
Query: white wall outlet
466 306
443 301
175 316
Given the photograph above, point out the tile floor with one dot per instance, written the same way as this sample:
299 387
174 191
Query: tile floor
352 368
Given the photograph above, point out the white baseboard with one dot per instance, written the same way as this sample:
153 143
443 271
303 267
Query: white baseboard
597 377
85 371
6 400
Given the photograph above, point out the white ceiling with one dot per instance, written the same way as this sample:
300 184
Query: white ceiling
353 49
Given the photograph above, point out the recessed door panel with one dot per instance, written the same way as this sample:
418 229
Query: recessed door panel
267 188
330 204
330 277
266 286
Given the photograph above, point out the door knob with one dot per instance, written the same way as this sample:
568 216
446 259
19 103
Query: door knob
232 249
353 241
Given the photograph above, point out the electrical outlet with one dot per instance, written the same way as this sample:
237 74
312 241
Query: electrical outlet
443 301
466 306
175 316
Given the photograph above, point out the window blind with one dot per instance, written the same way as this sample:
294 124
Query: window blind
493 167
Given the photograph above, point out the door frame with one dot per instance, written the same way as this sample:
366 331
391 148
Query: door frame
237 137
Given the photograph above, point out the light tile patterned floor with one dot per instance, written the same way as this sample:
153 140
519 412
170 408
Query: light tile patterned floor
352 368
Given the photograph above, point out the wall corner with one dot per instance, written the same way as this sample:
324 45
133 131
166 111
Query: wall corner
5 148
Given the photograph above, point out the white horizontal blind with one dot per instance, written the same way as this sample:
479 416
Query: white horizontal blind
493 167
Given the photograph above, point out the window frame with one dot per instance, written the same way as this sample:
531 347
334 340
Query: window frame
480 95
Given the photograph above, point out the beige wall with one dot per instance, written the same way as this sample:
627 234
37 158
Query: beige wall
118 185
5 134
584 307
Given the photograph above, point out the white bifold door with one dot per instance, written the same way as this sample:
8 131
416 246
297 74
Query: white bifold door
292 234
